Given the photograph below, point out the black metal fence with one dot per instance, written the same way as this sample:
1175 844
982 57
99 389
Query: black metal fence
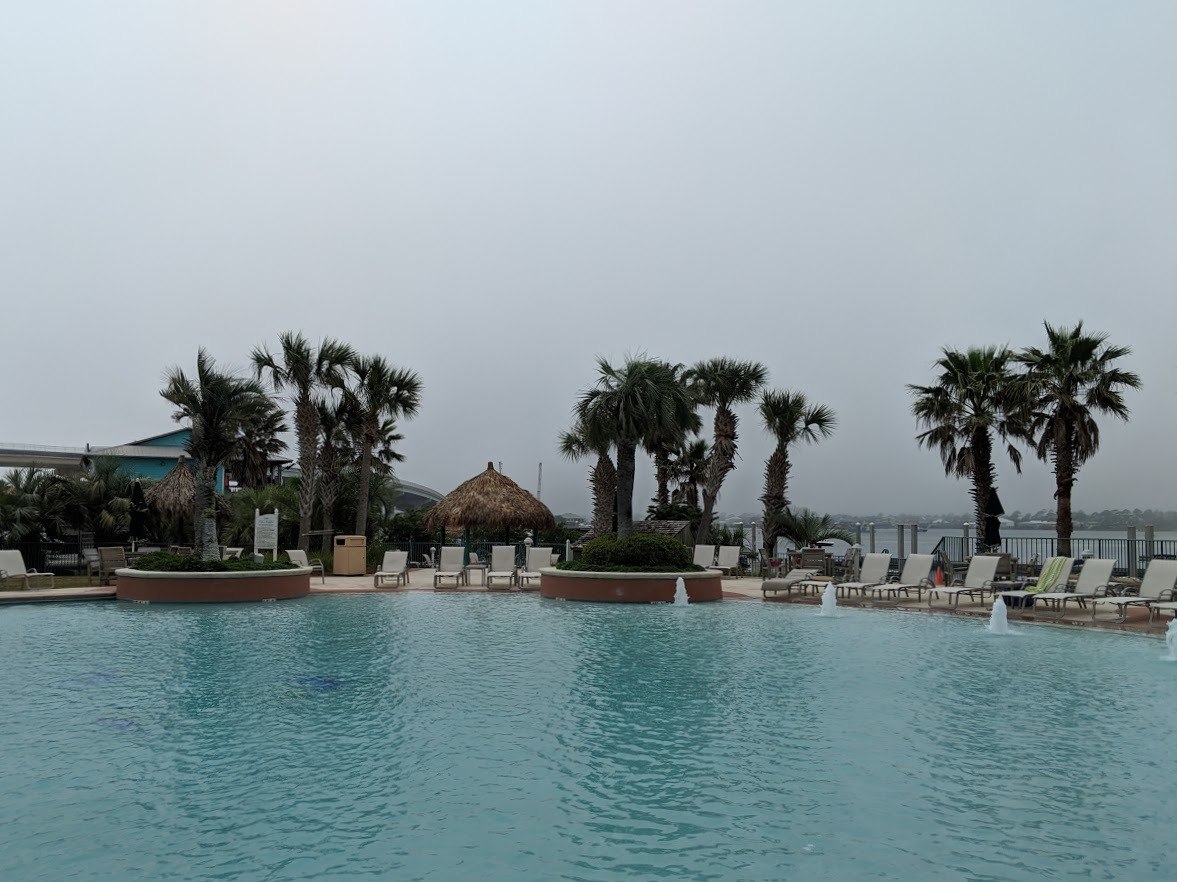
1131 555
63 556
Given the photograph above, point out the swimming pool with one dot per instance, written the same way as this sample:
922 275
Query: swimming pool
419 736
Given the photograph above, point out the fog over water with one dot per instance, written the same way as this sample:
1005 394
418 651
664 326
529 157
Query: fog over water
494 194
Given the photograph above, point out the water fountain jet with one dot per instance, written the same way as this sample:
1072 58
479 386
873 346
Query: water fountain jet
829 601
680 592
999 618
1171 640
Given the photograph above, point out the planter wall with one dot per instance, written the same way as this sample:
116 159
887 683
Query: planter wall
628 587
153 587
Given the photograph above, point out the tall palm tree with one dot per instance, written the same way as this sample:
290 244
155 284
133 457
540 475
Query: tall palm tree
688 470
380 393
301 369
1066 385
216 404
630 405
974 396
662 446
576 444
335 451
790 418
722 383
259 442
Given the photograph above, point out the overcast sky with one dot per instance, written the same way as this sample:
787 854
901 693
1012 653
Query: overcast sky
495 193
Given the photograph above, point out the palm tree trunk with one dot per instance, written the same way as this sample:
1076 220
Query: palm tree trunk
983 479
1064 482
365 484
626 454
207 546
306 419
662 477
604 486
723 455
776 479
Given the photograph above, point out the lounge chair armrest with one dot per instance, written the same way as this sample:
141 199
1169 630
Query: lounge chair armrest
956 582
1167 594
1103 591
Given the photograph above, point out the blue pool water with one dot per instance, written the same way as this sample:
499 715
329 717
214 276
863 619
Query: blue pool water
434 737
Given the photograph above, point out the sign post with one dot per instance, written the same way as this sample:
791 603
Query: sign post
265 532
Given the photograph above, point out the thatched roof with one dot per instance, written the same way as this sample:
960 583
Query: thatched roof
492 501
174 495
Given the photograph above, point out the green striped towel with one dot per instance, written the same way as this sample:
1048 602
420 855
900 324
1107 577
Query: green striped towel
1049 577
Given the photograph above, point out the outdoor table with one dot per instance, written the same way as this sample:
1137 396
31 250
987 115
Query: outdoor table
481 567
1014 594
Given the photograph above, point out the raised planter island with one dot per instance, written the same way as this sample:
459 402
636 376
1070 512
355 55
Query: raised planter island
147 586
628 587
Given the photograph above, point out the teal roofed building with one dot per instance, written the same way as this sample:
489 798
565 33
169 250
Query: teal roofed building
151 457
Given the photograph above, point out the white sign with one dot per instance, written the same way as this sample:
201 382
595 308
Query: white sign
265 532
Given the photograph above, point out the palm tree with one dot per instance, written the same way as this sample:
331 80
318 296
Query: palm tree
974 396
335 451
98 499
258 443
576 444
380 393
216 404
28 512
722 383
688 470
301 369
1065 386
806 527
643 399
790 419
662 447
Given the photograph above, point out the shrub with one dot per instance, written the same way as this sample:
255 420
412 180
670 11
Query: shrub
639 552
166 562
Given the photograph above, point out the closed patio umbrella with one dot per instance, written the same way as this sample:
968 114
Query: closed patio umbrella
992 527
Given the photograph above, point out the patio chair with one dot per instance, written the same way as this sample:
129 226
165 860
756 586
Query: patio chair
1056 572
815 559
450 566
977 580
12 566
298 557
1094 580
790 580
913 578
1157 586
502 565
704 556
874 572
90 561
109 560
537 558
728 560
394 566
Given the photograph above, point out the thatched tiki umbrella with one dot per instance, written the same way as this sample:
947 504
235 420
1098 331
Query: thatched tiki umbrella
491 501
174 495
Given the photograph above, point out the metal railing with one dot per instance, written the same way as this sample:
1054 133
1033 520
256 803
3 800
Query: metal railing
1131 555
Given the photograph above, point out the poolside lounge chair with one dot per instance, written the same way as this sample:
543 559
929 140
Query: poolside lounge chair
728 561
977 580
913 578
790 580
298 557
450 566
109 560
1094 579
1056 573
1158 585
12 566
395 566
704 555
874 572
537 558
502 566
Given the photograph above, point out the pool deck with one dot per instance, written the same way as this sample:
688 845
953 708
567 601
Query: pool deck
747 589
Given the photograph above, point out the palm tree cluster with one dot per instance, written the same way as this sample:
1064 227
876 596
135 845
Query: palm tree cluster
39 505
653 405
1045 398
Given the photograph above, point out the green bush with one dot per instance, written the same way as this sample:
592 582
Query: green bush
166 562
637 553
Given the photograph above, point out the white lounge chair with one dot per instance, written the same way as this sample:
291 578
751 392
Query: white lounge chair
298 557
1158 584
450 566
704 556
502 566
874 572
395 566
1055 573
790 580
537 558
728 561
913 578
1094 580
12 566
977 580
